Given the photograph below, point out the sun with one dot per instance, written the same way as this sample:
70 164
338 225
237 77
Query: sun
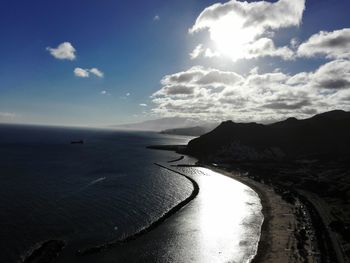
231 37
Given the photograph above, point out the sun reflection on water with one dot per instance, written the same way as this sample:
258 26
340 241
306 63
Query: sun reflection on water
229 215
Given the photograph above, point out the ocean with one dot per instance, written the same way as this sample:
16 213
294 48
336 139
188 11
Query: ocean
105 189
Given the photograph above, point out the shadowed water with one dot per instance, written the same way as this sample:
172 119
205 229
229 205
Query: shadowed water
106 188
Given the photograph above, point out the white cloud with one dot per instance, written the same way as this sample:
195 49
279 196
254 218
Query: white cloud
103 92
85 73
264 47
332 45
156 18
143 105
261 14
333 75
127 94
244 29
97 72
254 71
200 51
81 73
63 51
214 94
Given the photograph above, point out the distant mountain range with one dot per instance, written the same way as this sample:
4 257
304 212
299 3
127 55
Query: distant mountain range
162 124
326 134
192 131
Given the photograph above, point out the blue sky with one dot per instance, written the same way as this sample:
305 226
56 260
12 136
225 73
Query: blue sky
135 51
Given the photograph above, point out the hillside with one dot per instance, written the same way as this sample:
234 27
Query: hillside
325 134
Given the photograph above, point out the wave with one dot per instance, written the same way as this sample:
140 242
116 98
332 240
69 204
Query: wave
96 181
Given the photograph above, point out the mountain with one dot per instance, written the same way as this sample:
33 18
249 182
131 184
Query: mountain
160 124
325 134
191 131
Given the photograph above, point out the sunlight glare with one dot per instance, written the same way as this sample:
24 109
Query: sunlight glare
231 37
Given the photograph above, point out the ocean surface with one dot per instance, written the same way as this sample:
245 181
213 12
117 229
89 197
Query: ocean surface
109 188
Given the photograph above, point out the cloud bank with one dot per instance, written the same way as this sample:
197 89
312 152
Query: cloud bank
217 95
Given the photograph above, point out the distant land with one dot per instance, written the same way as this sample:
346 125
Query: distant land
159 125
191 131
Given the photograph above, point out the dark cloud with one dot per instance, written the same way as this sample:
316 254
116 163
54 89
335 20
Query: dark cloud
220 77
185 77
334 84
285 106
179 90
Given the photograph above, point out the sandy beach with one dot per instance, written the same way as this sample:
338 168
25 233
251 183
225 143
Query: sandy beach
278 241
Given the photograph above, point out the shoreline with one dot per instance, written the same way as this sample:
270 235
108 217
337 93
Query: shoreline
141 238
265 251
277 243
265 235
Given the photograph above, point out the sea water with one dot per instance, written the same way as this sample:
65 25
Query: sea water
109 188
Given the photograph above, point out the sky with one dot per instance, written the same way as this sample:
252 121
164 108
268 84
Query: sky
98 63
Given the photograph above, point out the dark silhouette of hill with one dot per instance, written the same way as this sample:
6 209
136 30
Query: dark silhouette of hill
326 134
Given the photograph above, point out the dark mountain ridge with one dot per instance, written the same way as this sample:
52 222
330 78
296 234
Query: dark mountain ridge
326 134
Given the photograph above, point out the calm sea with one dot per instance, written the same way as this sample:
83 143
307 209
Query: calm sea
105 188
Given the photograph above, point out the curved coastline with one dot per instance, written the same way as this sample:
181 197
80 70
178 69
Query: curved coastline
177 159
176 208
268 232
261 245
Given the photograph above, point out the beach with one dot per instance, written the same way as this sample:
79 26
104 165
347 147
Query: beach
278 241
